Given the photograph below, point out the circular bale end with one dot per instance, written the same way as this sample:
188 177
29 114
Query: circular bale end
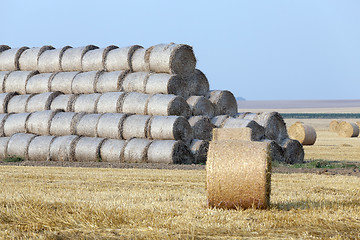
39 148
224 102
87 149
201 106
9 58
136 150
293 151
50 60
347 129
39 122
199 149
305 134
201 127
18 145
110 102
274 124
41 102
110 81
63 148
112 150
197 84
334 125
110 125
15 123
28 60
64 123
3 147
276 151
169 151
4 100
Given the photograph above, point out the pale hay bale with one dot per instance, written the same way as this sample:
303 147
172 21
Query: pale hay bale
120 58
110 81
134 102
201 127
3 146
166 84
135 82
87 125
218 121
201 106
274 124
258 132
4 100
3 76
169 151
199 149
87 103
224 102
238 174
39 148
9 58
39 83
64 102
110 125
3 117
305 134
41 102
63 148
72 58
168 104
94 60
135 126
28 60
334 125
197 84
50 60
87 149
112 150
293 151
17 104
110 102
276 151
244 133
64 123
140 60
16 81
62 82
172 58
4 47
347 129
136 150
248 115
39 122
18 145
85 82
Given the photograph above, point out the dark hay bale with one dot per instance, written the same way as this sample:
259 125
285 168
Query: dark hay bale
201 127
197 84
218 121
201 106
224 102
199 149
293 151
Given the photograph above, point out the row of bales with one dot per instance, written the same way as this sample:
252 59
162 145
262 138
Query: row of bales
345 128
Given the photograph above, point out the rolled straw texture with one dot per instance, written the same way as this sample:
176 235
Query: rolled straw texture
168 151
28 60
64 102
94 60
17 104
197 84
110 102
15 123
50 60
39 83
4 100
110 125
87 103
9 59
258 132
135 82
39 122
85 82
238 174
199 149
41 102
3 76
72 58
3 146
244 134
63 148
87 125
347 129
334 125
62 82
16 81
135 126
305 134
201 127
136 103
274 124
39 148
87 149
136 150
112 150
224 102
166 84
169 128
168 104
3 117
293 151
218 121
276 151
120 58
140 60
201 106
64 123
18 145
110 81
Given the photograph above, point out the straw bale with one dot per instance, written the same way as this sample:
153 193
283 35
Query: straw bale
135 126
39 148
110 81
244 133
110 102
110 125
172 58
16 81
166 84
293 151
3 146
39 83
274 124
85 82
50 60
39 122
169 127
112 150
15 123
64 102
17 104
94 60
169 151
3 76
87 125
168 104
140 60
63 148
9 59
135 82
238 174
134 102
3 117
276 151
136 150
199 149
257 133
18 145
218 121
224 102
87 149
62 82
197 84
201 106
4 100
87 103
72 58
120 58
347 129
305 134
201 127
28 60
64 123
334 125
41 102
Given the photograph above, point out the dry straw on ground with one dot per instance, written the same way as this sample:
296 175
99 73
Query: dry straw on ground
305 134
28 60
120 58
168 151
17 104
39 122
112 150
64 102
140 60
64 123
87 125
94 60
3 146
258 132
18 145
39 148
224 102
4 100
50 60
87 149
136 150
63 148
135 126
39 83
110 102
16 123
166 84
136 103
199 149
9 58
201 127
135 82
110 81
87 103
62 82
201 106
41 102
347 129
110 125
72 58
16 81
168 104
197 84
85 82
293 151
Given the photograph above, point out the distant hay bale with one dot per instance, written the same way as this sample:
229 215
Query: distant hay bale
238 174
218 121
110 125
9 58
3 76
28 60
87 103
199 149
358 123
3 147
135 82
41 102
17 104
16 81
112 150
201 127
276 151
72 58
110 102
305 134
62 82
63 148
39 83
293 151
166 84
168 104
135 126
224 102
85 82
64 102
168 151
258 132
110 81
140 60
120 58
136 150
87 125
94 60
15 123
50 60
334 125
4 100
197 84
347 129
18 145
3 117
39 148
87 149
39 122
201 106
64 123
172 58
136 103
244 134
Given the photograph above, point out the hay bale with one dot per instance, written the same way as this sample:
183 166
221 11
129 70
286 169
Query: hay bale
85 82
87 125
4 100
276 151
347 129
224 102
18 145
50 60
87 103
166 84
64 102
172 58
244 134
258 132
136 150
17 104
62 82
274 124
39 148
293 151
87 149
4 47
305 134
218 121
110 81
199 149
64 123
197 84
201 127
41 102
72 58
63 148
168 104
201 106
168 151
238 174
3 117
16 81
3 76
112 150
140 60
135 126
334 125
9 58
136 103
120 58
3 146
94 60
39 122
170 128
135 82
110 125
110 102
28 60
39 83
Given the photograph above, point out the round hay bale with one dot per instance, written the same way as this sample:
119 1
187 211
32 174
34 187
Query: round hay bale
135 126
201 127
134 102
110 81
85 82
347 129
39 122
39 148
39 83
305 134
112 150
87 149
168 104
62 82
87 103
201 106
169 151
257 133
140 60
110 102
224 102
334 125
199 149
28 60
172 58
293 151
110 125
197 84
9 59
3 117
4 100
41 102
3 146
63 148
136 150
3 76
94 60
64 102
18 145
87 125
166 84
218 121
276 151
16 81
17 104
64 123
274 124
238 174
50 60
169 127
72 58
135 82
120 58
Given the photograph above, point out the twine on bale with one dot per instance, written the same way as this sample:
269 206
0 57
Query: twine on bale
3 146
136 150
4 100
136 103
110 125
199 149
50 60
305 134
135 82
39 148
110 102
85 82
166 84
168 104
201 127
87 125
72 58
347 129
17 104
39 83
62 82
39 122
135 126
64 102
94 60
197 84
41 102
3 117
28 60
293 151
120 58
257 133
87 149
110 81
63 148
9 58
140 60
64 123
18 145
111 150
16 81
168 151
87 103
224 102
201 106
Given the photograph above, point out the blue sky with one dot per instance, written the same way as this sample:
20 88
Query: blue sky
259 50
